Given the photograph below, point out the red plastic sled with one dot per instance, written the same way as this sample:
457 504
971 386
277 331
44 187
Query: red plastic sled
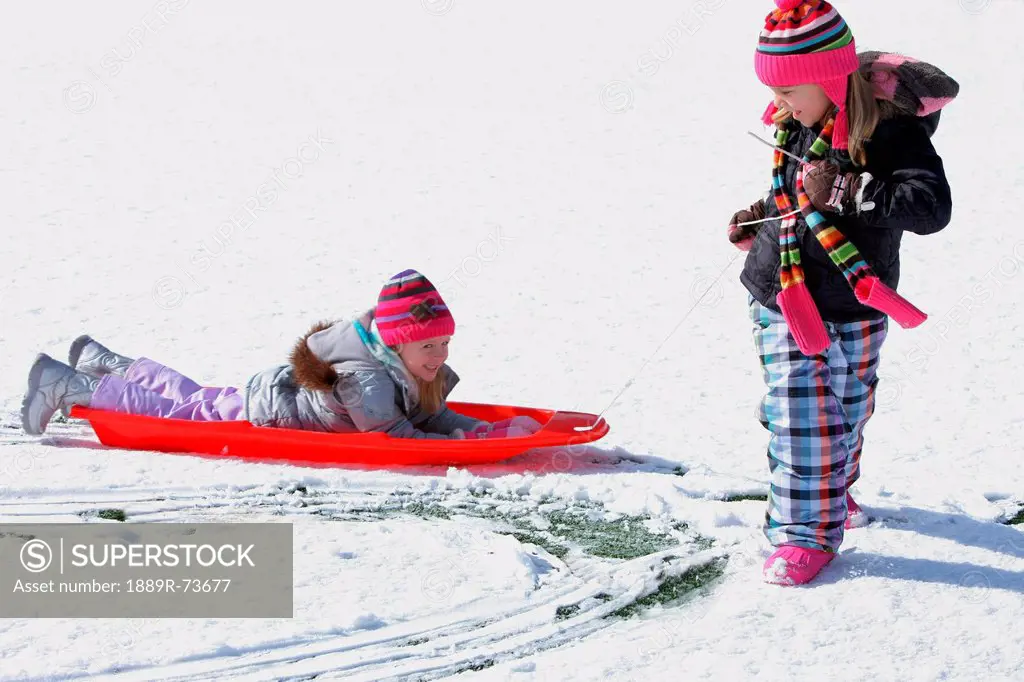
240 439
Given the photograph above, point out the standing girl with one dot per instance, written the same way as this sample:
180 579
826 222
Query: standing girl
822 276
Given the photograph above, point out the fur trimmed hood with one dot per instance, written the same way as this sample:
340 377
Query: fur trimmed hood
309 370
337 379
315 358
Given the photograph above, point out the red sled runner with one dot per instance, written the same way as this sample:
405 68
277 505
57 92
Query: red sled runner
242 440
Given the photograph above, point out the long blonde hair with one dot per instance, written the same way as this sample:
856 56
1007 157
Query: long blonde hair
431 392
863 112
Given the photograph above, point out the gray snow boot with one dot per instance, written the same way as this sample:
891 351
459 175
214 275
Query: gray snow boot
52 385
93 358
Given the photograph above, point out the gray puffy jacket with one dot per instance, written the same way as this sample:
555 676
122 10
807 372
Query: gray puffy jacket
333 383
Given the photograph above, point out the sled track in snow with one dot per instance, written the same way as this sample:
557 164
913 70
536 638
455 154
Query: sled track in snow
437 646
483 633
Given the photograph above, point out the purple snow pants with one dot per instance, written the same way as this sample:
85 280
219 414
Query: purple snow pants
154 390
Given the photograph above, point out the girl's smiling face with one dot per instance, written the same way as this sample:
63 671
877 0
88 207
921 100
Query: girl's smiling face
808 103
424 358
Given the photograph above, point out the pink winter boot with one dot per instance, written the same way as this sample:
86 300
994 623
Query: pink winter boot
792 565
855 516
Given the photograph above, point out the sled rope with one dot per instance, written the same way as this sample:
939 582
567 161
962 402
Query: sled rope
765 220
629 383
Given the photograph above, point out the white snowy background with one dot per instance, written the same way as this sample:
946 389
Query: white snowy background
563 173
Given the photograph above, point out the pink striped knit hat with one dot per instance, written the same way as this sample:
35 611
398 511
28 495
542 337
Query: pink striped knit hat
410 309
808 42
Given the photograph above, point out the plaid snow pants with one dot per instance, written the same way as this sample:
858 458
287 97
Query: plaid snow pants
815 409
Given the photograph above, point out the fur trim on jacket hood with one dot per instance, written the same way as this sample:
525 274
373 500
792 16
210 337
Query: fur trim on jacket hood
309 370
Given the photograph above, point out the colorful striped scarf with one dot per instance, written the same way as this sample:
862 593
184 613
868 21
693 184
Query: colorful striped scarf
795 300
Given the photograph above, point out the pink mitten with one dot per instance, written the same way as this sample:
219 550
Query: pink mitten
741 238
528 424
507 432
743 226
500 432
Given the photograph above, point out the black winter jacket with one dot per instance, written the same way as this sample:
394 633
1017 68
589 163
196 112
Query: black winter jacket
910 193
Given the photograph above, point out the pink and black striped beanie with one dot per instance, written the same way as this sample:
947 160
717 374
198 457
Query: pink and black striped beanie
410 309
808 42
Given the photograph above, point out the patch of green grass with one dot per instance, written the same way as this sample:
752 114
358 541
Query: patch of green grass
1016 520
20 536
567 529
675 588
624 538
567 611
744 498
530 537
107 514
482 665
699 540
433 511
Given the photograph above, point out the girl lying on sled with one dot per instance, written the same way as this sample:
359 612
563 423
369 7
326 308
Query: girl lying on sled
384 371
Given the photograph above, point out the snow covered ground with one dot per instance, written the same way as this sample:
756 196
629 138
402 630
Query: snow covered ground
199 182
